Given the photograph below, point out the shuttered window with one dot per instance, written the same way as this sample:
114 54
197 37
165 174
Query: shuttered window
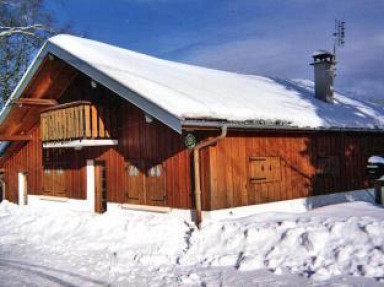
54 182
264 169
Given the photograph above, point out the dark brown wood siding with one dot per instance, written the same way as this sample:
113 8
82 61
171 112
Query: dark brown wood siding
29 159
153 142
311 164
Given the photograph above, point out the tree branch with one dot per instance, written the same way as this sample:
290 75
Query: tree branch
28 30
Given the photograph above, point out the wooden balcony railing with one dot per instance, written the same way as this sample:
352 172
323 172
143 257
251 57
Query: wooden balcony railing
78 120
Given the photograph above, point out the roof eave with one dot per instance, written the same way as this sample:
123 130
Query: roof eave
136 99
48 48
215 124
148 107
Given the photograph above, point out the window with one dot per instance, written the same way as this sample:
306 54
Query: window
133 171
264 169
155 171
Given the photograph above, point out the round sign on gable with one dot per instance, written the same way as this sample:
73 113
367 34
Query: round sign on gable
190 140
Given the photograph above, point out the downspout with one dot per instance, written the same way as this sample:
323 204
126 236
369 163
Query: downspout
196 158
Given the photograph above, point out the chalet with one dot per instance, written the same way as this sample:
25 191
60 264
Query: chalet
96 127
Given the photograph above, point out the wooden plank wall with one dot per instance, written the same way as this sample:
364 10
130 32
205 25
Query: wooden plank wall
228 171
29 159
137 140
225 167
153 142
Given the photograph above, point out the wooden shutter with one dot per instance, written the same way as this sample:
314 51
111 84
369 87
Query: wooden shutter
59 186
100 187
134 187
47 182
54 180
264 169
155 184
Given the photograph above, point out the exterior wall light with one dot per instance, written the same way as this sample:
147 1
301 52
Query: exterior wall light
148 119
93 84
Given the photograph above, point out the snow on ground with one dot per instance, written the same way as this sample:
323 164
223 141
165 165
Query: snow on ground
339 245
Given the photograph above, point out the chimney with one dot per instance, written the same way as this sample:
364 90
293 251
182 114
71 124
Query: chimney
324 64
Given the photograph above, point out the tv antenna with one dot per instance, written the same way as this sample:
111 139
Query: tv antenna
338 35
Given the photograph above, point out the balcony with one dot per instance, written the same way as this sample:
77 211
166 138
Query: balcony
78 124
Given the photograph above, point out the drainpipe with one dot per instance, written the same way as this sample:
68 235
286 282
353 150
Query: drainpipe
196 158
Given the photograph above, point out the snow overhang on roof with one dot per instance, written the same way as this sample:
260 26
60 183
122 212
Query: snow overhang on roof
50 48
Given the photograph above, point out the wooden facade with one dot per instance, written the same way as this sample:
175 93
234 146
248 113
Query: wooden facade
151 166
300 164
152 148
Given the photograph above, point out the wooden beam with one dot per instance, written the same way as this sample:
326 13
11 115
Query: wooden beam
15 137
35 102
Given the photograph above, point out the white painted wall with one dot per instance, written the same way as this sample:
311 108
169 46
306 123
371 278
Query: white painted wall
57 203
81 143
184 214
22 188
291 206
91 189
87 205
295 205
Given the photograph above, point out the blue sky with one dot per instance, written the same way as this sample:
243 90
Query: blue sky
273 38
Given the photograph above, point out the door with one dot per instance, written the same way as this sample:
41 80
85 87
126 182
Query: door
54 180
100 187
22 188
135 182
155 184
145 183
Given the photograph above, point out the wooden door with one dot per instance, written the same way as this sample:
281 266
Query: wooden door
155 184
135 182
100 187
54 180
47 181
59 182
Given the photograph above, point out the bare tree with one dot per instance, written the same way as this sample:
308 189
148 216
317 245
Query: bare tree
24 26
26 31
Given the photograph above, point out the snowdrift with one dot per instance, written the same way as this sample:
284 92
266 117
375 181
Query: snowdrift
339 240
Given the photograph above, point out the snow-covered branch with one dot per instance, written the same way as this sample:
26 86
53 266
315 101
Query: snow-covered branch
28 30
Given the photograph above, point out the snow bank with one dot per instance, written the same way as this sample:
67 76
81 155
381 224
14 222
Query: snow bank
138 238
339 240
191 92
376 159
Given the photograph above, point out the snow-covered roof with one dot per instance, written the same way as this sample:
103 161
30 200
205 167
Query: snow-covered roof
175 93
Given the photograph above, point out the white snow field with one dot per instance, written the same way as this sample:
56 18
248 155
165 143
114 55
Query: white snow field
338 245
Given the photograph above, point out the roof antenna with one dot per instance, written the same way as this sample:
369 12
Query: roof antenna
338 35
